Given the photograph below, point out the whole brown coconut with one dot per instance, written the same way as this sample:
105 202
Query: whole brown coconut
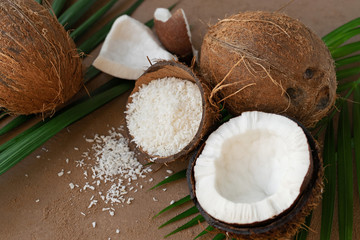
209 118
39 65
269 62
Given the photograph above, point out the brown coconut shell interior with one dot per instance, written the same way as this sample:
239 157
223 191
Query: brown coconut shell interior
210 113
284 225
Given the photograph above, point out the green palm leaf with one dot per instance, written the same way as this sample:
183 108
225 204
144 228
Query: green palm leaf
182 215
74 13
172 178
328 202
196 220
15 123
219 236
175 204
345 176
92 42
345 50
57 6
205 231
92 20
356 131
348 60
345 73
337 33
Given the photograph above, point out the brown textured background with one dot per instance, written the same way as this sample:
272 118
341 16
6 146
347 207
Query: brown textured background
57 214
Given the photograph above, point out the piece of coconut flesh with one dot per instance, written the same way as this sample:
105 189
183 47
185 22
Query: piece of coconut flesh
252 168
164 115
128 48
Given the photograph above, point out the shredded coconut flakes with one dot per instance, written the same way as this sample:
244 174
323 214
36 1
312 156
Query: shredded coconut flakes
164 115
115 168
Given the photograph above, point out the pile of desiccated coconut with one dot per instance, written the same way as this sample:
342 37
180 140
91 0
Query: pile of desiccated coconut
111 164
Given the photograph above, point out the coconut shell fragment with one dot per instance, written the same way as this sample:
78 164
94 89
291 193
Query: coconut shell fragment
173 31
208 118
40 68
269 62
281 226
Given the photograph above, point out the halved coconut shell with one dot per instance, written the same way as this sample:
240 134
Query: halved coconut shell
175 69
287 223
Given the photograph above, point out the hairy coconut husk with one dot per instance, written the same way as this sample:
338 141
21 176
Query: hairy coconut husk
39 64
209 117
283 226
269 62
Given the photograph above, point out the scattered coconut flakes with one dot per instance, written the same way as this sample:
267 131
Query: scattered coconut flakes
67 160
127 48
38 156
93 224
76 148
172 202
26 175
92 203
82 213
169 171
71 185
61 173
117 231
155 199
37 200
164 189
115 167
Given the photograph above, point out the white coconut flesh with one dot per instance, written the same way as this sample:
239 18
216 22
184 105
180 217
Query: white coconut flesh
128 48
252 168
164 115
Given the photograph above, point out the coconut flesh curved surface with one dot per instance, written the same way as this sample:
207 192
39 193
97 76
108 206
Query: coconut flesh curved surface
252 168
164 115
128 48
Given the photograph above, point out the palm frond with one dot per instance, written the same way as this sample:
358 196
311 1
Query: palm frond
196 220
345 176
176 176
175 204
74 13
328 202
181 216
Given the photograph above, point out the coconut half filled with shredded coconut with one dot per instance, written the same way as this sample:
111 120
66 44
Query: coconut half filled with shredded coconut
258 176
167 113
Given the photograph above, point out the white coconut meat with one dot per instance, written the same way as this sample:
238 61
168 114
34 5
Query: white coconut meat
127 47
252 168
162 14
164 115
